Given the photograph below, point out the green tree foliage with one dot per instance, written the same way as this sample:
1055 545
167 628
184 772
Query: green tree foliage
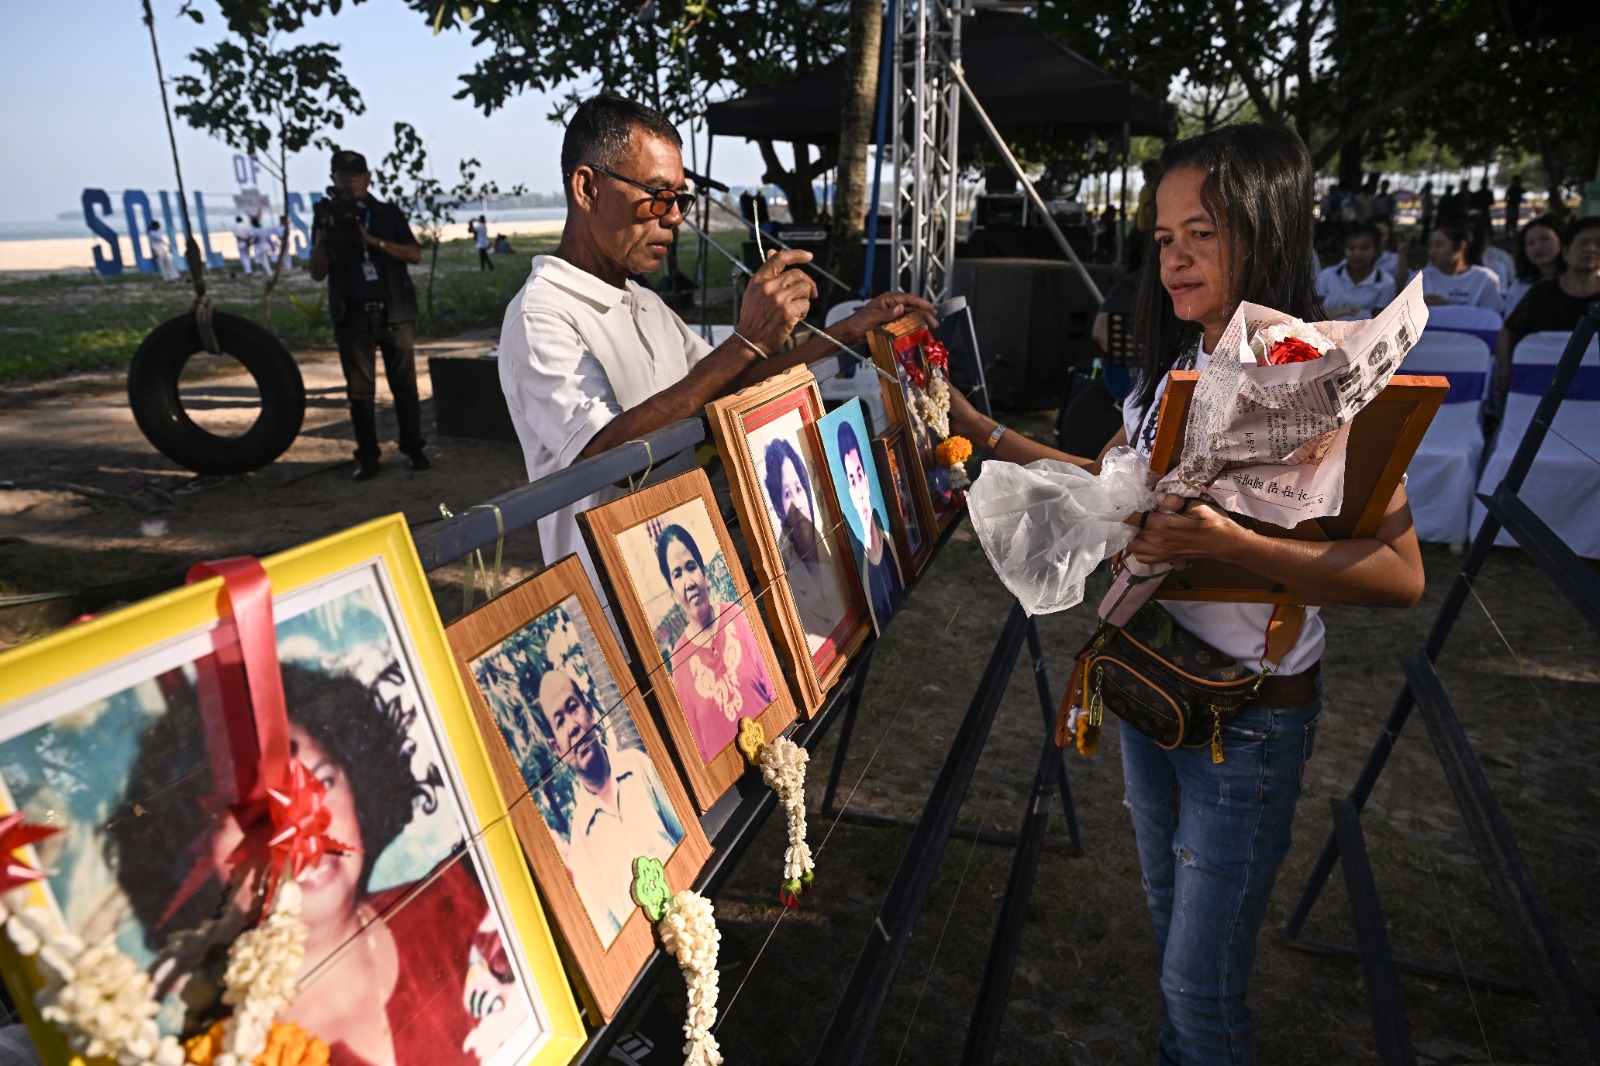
269 100
405 177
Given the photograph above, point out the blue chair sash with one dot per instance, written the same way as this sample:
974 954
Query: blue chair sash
1466 386
1534 378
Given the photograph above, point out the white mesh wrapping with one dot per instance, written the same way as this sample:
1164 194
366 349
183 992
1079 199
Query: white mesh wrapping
1047 525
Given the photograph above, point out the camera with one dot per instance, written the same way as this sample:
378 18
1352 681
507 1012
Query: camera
340 214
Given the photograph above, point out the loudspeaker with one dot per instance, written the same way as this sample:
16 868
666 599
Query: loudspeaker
467 401
1034 318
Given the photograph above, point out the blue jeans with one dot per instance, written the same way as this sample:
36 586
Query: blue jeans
1211 837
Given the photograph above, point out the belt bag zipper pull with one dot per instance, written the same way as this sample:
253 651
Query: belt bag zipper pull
1216 733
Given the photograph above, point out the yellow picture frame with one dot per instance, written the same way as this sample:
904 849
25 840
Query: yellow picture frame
39 682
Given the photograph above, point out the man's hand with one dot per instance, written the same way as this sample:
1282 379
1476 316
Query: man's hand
885 308
776 299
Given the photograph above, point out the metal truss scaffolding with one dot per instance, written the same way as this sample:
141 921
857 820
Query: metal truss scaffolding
927 110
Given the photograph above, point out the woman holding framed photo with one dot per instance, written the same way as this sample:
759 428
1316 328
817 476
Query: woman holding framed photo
1233 223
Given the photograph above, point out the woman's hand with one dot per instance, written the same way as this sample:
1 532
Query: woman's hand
1180 530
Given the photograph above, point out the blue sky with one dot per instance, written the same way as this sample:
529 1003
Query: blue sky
83 108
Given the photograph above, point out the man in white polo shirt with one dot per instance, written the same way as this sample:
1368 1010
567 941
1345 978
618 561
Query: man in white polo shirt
589 358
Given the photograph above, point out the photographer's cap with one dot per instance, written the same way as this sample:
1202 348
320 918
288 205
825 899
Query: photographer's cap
346 161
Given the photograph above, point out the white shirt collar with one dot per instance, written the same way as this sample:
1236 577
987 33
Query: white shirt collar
579 282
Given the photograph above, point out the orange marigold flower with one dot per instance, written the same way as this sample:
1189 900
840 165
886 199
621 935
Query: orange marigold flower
287 1045
952 451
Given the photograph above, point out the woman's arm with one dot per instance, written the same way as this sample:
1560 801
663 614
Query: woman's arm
967 421
1383 570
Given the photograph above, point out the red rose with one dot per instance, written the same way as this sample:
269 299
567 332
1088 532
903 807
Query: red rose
1292 350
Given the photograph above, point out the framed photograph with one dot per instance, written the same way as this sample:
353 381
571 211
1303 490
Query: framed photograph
671 573
909 518
587 777
794 526
427 945
860 498
899 349
1384 437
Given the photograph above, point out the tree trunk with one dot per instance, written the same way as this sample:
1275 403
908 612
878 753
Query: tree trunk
433 268
283 222
1350 171
861 59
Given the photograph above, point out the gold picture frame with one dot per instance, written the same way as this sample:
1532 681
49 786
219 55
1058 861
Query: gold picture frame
124 696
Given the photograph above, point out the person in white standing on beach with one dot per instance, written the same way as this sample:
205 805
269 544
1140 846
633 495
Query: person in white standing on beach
161 252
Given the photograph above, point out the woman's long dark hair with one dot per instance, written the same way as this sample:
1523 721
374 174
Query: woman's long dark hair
1260 189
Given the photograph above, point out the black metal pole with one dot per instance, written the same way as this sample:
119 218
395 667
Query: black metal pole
1042 681
995 988
856 1017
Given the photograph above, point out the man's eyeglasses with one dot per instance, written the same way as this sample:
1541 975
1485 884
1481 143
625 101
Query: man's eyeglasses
661 200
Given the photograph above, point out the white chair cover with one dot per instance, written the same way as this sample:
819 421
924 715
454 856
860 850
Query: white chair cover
1444 472
1563 485
1481 322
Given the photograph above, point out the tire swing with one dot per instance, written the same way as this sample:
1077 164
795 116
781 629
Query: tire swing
159 362
158 408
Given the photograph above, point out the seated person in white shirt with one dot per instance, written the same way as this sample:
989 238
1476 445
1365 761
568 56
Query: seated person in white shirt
1449 278
590 359
1357 288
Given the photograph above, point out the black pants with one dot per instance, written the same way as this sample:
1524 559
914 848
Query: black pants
362 333
484 262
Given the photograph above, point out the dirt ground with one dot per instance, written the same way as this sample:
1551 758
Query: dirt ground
90 515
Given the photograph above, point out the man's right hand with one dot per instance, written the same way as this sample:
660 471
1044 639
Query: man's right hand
776 299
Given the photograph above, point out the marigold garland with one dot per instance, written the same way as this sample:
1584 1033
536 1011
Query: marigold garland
952 451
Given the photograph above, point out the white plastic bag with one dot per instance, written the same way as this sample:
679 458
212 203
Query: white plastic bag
1047 525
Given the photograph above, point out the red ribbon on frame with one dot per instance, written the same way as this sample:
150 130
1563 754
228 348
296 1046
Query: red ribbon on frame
15 834
280 807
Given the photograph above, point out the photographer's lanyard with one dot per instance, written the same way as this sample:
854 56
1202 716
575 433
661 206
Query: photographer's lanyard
369 269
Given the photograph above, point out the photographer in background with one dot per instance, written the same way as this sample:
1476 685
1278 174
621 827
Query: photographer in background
362 245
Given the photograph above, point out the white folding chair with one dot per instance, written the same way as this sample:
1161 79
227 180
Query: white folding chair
1563 485
1444 472
1480 322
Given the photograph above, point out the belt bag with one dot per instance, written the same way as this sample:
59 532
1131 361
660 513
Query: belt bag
1168 683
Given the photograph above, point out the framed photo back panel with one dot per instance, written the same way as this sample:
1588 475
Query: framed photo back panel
587 778
1384 437
671 573
432 930
783 494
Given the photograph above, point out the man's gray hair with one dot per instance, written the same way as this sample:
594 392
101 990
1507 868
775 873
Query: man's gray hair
599 131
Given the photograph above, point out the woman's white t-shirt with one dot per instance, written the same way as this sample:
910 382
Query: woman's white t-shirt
1474 287
1238 630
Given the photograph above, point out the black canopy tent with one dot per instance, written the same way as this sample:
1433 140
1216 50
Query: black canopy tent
1025 80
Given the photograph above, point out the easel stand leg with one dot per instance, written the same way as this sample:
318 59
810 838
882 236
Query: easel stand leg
850 1031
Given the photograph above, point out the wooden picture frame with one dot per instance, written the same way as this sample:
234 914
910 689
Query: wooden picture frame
910 519
543 652
1384 437
905 339
685 666
104 730
767 437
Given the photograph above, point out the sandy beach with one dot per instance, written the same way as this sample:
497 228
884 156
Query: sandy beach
77 253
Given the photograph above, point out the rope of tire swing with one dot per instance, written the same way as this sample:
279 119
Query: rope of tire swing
191 253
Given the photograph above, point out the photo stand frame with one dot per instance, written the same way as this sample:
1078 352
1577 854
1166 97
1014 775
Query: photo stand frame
622 537
553 620
741 425
126 696
908 336
1384 437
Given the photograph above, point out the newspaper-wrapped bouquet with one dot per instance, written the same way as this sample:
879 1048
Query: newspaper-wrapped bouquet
1266 437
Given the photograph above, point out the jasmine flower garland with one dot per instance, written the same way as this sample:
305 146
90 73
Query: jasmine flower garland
688 929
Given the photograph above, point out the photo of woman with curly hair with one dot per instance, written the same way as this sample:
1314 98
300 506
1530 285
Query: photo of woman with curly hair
406 961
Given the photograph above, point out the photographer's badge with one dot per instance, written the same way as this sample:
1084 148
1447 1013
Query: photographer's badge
369 270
